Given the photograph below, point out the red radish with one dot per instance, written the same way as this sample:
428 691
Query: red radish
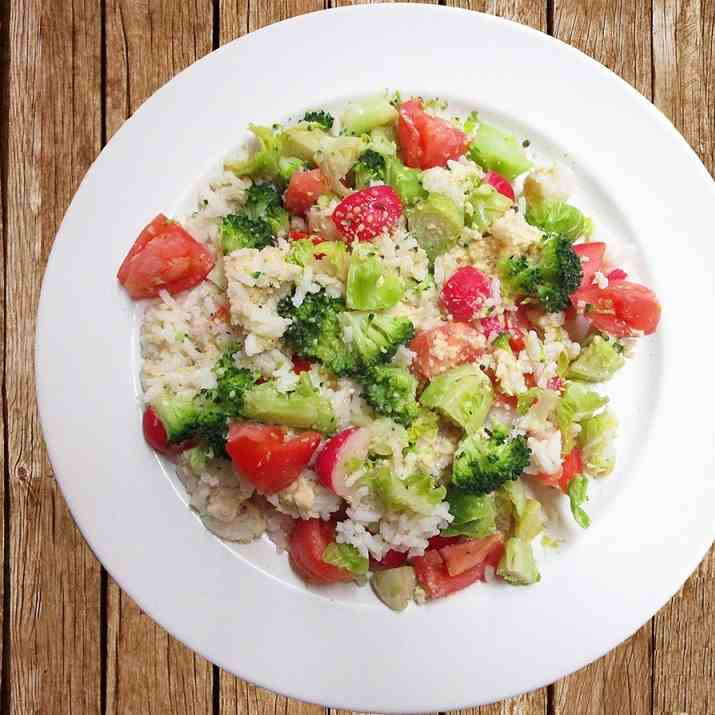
330 466
155 436
501 184
617 274
490 326
465 292
367 213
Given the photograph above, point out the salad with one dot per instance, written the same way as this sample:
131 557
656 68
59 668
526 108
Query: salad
378 340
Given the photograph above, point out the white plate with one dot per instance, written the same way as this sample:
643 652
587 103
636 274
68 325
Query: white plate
243 609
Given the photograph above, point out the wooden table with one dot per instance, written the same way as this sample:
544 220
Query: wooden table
70 74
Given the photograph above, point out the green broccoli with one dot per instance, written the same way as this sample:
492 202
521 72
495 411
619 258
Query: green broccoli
391 391
375 338
370 166
303 408
483 462
551 279
263 201
231 383
241 231
316 332
320 116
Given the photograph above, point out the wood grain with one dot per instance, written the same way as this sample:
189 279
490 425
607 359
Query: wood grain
684 89
147 43
54 133
618 34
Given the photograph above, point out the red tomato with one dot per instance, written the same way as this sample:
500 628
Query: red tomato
517 325
461 557
155 436
222 314
433 576
308 542
264 455
367 213
301 365
303 190
591 255
571 467
427 141
500 183
164 257
617 274
465 292
391 560
443 347
620 308
437 542
300 235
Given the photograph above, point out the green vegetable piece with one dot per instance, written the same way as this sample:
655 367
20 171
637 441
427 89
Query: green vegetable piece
241 231
387 438
531 522
436 223
596 440
578 495
391 391
471 122
264 162
395 587
363 115
551 279
558 217
526 400
502 343
382 140
499 151
599 361
375 338
484 206
177 414
334 256
483 462
576 404
424 426
417 494
474 516
406 181
518 566
514 495
463 395
303 408
196 458
263 201
346 556
301 252
303 141
287 166
321 117
370 167
371 284
316 332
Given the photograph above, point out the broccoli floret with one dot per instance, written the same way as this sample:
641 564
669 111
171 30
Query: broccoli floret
263 201
232 383
483 462
375 338
551 279
320 116
369 167
303 408
391 391
316 332
241 231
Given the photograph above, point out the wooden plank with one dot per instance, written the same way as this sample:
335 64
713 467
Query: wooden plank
618 34
147 43
684 88
237 17
54 580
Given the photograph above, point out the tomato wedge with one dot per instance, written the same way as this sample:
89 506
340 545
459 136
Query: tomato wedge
427 141
266 457
465 292
571 467
164 257
621 308
367 213
443 347
459 558
308 541
591 255
304 189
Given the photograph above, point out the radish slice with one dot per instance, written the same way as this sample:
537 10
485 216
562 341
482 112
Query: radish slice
351 443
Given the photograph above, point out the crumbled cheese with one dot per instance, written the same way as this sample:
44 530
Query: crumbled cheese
513 232
549 183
